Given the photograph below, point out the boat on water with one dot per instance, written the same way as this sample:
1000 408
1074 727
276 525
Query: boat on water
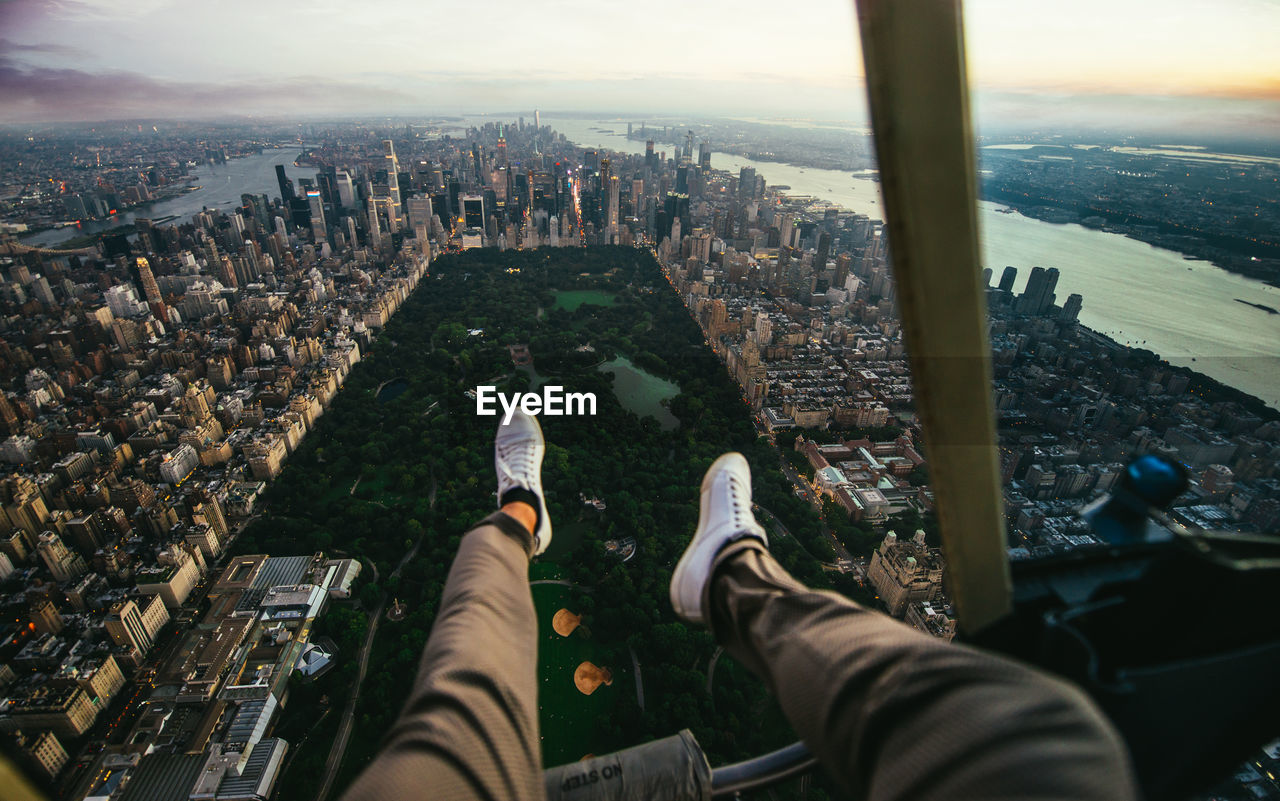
1259 306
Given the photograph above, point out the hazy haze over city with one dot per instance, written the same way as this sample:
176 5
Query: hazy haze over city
1084 64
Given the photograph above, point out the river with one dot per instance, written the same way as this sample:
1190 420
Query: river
1185 310
221 186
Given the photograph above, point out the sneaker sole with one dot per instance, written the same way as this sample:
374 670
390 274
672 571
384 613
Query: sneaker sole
696 552
540 543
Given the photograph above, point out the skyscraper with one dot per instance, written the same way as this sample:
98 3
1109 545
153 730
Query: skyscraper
637 197
393 177
747 182
319 231
477 162
420 211
606 174
327 180
349 224
785 229
650 160
286 186
704 156
830 218
1038 296
823 253
613 201
134 623
375 227
843 262
1071 309
227 272
473 211
1007 279
150 289
62 563
346 191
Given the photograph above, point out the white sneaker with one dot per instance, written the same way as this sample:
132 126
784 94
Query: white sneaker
517 457
724 516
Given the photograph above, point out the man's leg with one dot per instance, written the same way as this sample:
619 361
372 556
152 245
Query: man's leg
890 712
470 727
895 714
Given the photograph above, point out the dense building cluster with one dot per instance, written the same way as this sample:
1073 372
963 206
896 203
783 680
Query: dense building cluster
150 392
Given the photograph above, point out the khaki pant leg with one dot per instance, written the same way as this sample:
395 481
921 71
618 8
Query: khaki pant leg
892 713
470 728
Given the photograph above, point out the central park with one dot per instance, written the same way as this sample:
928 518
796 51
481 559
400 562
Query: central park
401 467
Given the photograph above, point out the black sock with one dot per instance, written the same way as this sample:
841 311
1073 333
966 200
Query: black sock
522 495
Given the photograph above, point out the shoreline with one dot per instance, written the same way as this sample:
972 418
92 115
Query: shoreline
1121 229
1249 401
1235 263
186 189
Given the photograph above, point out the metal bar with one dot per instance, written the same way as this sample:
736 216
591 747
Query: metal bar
15 784
762 771
914 56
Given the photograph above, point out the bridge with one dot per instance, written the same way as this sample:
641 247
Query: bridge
13 247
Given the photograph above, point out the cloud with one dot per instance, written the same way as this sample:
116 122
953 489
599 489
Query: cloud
45 94
1190 117
7 46
81 10
30 93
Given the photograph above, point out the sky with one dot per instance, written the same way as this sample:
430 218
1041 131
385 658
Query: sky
1031 62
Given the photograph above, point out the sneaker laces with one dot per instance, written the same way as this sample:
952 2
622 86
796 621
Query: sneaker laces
734 485
519 461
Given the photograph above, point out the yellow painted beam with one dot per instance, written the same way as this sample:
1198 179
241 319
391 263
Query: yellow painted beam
918 91
14 786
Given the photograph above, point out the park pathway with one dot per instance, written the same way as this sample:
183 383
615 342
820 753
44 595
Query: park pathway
635 666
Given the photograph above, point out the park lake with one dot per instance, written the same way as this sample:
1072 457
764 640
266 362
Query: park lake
642 392
392 389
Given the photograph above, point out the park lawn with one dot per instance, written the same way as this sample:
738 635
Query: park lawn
565 539
567 717
571 299
376 487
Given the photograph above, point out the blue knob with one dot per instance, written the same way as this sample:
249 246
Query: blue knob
1156 480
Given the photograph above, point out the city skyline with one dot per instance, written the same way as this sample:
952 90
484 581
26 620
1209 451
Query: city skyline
1109 64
